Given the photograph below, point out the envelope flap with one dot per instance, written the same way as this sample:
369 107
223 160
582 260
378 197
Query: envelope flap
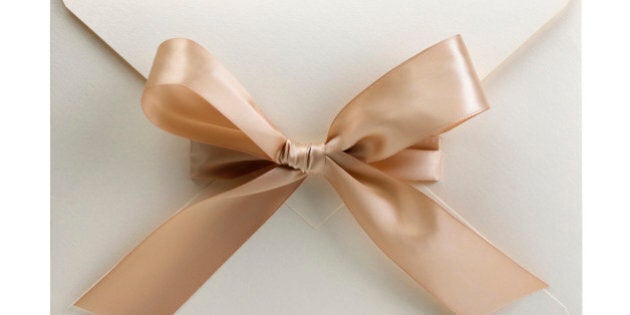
302 61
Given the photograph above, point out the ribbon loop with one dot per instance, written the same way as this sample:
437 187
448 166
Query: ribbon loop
190 94
423 97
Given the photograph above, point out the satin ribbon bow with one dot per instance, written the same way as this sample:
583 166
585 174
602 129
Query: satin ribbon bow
386 136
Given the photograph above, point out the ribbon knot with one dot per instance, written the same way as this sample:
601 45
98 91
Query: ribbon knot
383 139
308 158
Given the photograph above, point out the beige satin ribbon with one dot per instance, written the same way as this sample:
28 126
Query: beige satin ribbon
387 135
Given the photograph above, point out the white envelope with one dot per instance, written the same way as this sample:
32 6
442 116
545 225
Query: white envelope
302 62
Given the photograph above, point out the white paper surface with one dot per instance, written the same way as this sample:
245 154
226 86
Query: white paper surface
112 189
303 61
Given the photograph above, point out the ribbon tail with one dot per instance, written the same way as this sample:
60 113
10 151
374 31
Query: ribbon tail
453 263
161 273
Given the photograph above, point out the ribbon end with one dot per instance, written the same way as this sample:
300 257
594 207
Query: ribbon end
538 285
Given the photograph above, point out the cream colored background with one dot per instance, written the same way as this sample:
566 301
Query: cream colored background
289 54
100 137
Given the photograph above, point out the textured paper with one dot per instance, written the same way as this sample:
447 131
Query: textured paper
518 204
302 61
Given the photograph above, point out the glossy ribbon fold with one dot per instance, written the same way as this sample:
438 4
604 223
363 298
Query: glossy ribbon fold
385 136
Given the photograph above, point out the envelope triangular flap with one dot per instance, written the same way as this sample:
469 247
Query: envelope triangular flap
302 61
